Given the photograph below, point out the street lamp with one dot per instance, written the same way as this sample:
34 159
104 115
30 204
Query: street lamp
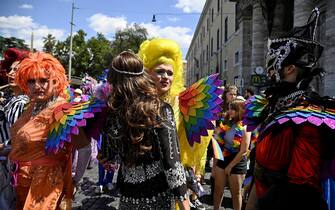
153 18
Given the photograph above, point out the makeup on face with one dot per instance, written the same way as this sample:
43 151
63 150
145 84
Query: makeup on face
39 80
39 88
11 74
162 72
163 77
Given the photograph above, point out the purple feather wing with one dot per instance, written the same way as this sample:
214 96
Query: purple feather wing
311 114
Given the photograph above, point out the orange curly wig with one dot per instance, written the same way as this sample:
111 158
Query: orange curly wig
38 64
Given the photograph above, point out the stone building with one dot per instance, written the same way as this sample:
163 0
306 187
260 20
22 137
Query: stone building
231 39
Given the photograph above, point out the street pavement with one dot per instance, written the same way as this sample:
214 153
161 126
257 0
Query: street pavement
86 198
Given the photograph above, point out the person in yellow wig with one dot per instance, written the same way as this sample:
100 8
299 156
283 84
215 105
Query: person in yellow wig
162 59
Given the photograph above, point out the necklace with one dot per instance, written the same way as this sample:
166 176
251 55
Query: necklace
39 106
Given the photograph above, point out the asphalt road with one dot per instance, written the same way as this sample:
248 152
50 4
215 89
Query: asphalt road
86 198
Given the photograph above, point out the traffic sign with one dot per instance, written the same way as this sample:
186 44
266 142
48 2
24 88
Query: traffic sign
258 80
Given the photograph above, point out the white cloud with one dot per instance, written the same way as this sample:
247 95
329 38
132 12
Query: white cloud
26 6
16 22
109 25
22 26
182 35
105 24
173 19
191 5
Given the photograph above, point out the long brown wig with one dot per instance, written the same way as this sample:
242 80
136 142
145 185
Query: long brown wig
135 100
238 106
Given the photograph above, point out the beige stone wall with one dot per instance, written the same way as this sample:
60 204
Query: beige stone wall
212 60
248 39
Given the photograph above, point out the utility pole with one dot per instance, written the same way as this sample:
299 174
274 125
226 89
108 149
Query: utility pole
71 37
32 42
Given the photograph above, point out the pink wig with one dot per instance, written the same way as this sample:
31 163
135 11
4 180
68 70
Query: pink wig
38 64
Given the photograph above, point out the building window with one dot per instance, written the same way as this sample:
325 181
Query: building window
212 15
237 57
226 29
212 46
218 39
219 5
225 65
207 53
237 25
207 24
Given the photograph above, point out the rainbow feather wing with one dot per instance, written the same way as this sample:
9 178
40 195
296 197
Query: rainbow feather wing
199 105
69 93
68 118
253 108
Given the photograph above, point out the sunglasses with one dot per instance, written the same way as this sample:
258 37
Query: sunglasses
13 69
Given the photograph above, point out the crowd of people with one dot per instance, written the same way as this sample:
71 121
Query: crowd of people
141 123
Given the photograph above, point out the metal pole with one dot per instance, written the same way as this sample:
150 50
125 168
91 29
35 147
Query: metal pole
32 42
70 53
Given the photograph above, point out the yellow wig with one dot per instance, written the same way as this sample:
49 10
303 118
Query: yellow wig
164 51
37 64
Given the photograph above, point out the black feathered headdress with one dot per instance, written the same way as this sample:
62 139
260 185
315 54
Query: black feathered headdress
298 48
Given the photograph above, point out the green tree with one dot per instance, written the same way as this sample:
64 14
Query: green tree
94 55
49 44
129 39
6 43
81 55
101 54
62 52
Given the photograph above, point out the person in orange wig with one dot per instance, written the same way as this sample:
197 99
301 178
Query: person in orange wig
42 179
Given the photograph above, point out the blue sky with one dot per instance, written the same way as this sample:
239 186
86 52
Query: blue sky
176 19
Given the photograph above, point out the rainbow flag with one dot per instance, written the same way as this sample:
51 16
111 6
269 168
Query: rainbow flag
217 150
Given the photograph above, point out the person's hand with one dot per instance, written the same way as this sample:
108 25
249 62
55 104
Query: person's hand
2 100
227 170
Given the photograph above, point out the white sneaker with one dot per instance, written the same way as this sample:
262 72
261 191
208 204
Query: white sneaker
99 189
192 206
198 205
